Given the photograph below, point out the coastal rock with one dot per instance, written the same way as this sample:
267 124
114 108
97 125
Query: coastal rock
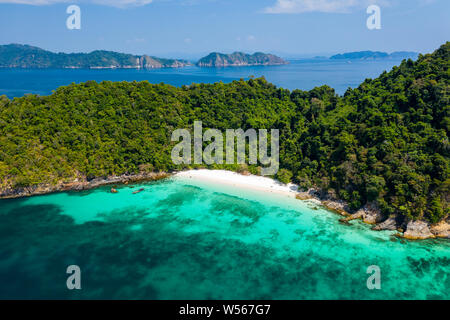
442 229
370 214
309 194
337 206
79 184
372 217
373 214
417 230
327 199
360 214
388 224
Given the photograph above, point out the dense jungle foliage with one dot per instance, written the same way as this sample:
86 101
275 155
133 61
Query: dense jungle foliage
385 141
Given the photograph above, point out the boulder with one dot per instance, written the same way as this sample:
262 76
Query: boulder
336 206
417 230
372 214
442 229
388 224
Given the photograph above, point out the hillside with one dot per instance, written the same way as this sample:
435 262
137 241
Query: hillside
24 56
238 59
385 142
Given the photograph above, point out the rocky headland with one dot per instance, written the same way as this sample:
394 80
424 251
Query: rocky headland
80 184
371 214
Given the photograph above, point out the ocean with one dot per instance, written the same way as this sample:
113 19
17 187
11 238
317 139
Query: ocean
186 239
300 74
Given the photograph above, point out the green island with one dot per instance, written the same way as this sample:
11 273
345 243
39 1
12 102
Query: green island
383 143
238 59
25 56
375 55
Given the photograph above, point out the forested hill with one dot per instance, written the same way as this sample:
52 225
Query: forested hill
385 141
375 55
24 56
238 59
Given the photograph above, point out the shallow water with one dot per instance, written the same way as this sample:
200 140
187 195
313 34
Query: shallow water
182 239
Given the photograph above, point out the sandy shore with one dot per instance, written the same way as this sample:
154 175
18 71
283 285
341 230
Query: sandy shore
369 214
256 183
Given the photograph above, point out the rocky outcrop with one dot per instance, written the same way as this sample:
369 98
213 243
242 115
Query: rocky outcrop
238 59
442 229
336 206
80 184
417 230
147 62
370 214
390 223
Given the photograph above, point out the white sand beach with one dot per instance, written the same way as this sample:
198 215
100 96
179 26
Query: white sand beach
230 178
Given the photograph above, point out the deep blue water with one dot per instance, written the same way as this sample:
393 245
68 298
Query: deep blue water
301 74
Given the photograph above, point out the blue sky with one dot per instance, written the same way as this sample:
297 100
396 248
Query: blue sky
192 27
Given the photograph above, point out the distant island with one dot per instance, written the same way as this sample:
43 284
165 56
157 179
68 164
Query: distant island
375 55
25 56
238 59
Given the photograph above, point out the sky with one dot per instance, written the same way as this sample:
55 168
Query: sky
191 28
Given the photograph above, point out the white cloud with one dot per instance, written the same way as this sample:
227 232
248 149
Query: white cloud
331 6
113 3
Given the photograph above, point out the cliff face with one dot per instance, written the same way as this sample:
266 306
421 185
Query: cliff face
237 59
23 56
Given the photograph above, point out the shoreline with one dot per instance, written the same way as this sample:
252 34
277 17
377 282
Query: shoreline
370 213
245 181
80 184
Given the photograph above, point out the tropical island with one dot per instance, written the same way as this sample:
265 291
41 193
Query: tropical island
380 151
375 55
25 56
238 59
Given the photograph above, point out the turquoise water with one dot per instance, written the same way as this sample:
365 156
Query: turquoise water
183 239
302 74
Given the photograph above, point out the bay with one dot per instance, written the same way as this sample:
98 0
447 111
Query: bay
182 239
